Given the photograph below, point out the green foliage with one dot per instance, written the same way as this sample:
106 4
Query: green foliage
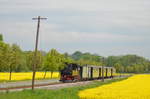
15 58
30 59
53 61
129 63
11 57
68 58
112 60
1 37
86 58
4 55
119 67
77 55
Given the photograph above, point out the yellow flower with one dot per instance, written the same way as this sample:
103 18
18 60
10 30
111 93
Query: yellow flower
135 87
27 75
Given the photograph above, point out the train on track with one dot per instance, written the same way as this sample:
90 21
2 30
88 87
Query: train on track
75 72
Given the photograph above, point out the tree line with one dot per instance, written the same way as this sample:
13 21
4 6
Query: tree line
123 63
14 59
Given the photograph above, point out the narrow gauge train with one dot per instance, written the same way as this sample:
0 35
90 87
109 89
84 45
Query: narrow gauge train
75 72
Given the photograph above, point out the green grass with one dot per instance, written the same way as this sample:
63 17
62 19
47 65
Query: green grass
66 93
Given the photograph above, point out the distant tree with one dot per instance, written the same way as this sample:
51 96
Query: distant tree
30 59
53 61
86 58
67 58
129 69
66 55
129 63
4 56
1 37
23 65
119 67
112 60
148 66
15 58
77 55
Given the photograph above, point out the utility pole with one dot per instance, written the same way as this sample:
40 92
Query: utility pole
36 49
102 69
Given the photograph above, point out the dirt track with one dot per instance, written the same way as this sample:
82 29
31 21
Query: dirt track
26 83
46 86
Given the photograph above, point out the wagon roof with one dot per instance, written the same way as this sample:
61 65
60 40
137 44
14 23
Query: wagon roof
97 66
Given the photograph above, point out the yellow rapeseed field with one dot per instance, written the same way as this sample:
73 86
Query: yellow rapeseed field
135 87
27 75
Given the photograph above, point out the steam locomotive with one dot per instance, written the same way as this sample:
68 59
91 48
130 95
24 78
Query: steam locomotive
75 72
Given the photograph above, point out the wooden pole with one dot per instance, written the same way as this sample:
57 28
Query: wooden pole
36 49
103 70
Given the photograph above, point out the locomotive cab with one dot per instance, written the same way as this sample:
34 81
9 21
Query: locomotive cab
70 73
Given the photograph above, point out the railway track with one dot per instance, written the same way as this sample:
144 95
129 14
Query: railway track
55 85
58 85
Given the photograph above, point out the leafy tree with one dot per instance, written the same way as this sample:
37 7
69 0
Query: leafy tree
1 37
53 61
4 56
14 58
76 55
30 59
87 58
119 67
112 60
22 66
68 58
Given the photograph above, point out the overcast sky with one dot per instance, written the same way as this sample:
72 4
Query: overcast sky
105 27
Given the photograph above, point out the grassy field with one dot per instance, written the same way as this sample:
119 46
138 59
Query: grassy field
66 93
135 87
26 76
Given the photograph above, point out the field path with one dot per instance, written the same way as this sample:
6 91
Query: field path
26 83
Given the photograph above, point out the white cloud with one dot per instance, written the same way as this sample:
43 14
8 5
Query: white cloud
77 37
48 34
84 5
80 22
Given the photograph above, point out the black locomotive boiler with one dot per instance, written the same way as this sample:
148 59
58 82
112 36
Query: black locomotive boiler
75 72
